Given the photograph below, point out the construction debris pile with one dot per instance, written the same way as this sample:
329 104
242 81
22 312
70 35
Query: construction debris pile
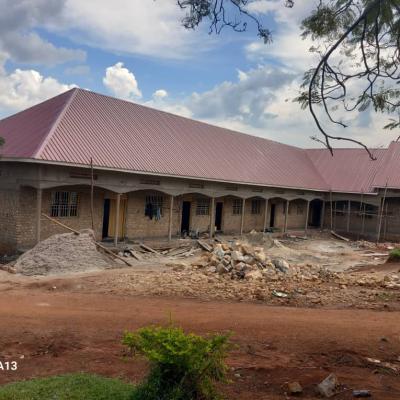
243 261
63 253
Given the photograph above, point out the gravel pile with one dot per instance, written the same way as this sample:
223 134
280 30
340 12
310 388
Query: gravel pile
63 253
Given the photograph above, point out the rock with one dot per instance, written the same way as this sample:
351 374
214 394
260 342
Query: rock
225 247
260 256
361 393
241 266
218 251
327 388
254 275
246 249
222 269
294 388
249 260
281 265
237 256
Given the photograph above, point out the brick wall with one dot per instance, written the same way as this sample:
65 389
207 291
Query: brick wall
8 213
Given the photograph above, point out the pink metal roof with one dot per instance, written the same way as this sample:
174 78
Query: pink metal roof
389 174
78 125
348 170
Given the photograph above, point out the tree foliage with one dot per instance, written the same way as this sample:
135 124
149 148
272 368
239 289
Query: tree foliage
358 46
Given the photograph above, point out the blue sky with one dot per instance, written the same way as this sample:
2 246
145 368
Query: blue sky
138 50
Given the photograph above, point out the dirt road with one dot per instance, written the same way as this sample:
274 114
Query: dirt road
49 333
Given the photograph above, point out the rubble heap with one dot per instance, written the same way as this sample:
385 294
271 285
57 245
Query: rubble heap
244 261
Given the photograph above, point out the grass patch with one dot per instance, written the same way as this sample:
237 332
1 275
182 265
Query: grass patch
68 387
394 255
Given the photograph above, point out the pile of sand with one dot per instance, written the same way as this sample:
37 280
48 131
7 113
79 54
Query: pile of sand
63 253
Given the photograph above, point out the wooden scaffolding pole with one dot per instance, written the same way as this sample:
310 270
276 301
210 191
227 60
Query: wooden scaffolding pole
286 216
331 208
307 214
380 216
265 215
116 233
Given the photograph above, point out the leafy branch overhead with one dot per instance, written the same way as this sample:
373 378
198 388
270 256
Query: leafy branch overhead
357 42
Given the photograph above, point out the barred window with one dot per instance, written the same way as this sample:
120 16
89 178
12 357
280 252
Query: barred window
256 206
154 203
203 207
64 204
237 206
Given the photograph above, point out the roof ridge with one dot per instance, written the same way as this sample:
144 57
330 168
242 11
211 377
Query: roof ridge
53 128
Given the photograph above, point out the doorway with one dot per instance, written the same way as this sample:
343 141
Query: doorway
272 216
315 213
218 216
110 218
185 225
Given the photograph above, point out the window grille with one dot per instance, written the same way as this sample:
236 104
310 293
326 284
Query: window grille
237 206
64 204
156 202
203 207
256 206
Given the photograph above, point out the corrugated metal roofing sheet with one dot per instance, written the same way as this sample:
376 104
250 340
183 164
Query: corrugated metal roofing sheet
348 170
78 125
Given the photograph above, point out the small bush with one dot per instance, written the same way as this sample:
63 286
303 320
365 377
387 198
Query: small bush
394 255
182 366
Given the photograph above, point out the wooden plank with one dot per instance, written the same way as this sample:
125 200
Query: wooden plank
205 246
340 237
147 248
135 255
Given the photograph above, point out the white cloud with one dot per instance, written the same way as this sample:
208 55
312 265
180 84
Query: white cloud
21 89
160 94
21 43
121 82
146 27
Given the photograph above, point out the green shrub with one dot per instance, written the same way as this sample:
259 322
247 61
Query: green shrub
394 255
182 366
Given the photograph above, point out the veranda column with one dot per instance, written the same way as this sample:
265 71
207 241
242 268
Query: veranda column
212 216
348 215
39 193
265 215
307 214
286 216
242 220
116 233
171 206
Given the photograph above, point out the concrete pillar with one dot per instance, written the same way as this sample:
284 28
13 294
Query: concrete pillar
286 216
39 193
118 201
265 215
242 220
322 217
348 215
212 217
307 214
171 206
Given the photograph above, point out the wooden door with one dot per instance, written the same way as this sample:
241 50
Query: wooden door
113 215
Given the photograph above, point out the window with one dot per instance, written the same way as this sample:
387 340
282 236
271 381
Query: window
256 206
154 206
340 207
300 209
203 207
237 206
64 204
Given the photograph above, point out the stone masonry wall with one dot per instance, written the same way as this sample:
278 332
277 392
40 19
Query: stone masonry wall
8 213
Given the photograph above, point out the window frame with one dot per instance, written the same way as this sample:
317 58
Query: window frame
202 206
237 205
64 204
256 206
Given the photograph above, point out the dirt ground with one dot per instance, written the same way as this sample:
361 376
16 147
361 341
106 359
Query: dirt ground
49 332
339 320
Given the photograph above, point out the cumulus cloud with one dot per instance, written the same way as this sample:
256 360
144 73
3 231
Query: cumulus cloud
121 82
151 28
24 88
21 43
160 94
